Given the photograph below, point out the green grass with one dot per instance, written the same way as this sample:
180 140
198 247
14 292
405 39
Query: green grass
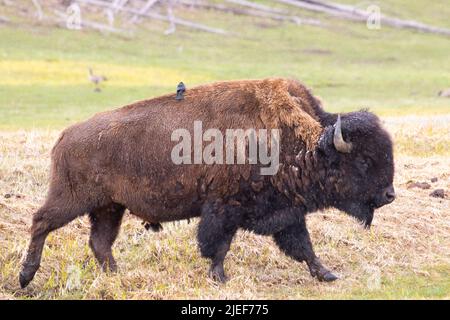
432 284
393 72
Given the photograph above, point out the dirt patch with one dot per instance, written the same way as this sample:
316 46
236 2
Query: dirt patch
438 193
421 185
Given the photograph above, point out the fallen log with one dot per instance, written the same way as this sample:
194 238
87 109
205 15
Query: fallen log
144 9
157 16
39 13
352 13
248 12
257 6
90 24
317 8
172 28
117 5
390 21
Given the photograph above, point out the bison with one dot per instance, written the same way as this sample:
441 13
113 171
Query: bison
121 159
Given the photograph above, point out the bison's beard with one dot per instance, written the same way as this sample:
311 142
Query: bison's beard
368 219
362 212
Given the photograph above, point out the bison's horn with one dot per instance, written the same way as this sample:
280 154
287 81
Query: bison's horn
338 140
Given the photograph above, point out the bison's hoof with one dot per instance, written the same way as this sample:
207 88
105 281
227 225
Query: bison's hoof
25 278
217 274
27 274
109 267
327 276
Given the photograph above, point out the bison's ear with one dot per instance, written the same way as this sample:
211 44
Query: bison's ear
326 144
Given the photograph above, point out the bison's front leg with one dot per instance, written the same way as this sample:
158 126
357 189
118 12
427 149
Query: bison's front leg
296 243
216 229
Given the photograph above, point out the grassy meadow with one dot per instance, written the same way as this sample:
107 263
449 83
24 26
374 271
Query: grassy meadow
397 74
393 72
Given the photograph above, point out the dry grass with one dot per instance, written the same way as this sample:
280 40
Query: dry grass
420 136
405 254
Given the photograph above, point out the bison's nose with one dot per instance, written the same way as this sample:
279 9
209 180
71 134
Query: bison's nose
389 194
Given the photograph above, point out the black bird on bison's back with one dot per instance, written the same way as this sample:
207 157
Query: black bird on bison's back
122 160
180 91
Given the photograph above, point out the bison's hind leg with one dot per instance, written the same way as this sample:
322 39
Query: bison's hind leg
216 229
55 213
105 225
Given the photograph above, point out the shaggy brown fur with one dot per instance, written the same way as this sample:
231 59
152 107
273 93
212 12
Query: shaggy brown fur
124 155
122 159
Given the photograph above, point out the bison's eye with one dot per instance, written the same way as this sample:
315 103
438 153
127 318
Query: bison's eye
363 165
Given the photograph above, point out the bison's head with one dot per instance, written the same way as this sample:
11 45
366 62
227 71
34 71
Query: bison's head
360 163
